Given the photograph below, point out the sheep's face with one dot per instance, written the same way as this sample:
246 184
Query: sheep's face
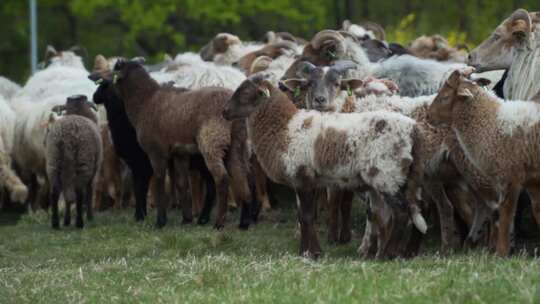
249 95
126 71
496 51
322 87
457 89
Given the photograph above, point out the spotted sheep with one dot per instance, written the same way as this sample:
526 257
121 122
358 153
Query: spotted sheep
308 149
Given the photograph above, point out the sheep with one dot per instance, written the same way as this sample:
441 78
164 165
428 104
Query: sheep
164 111
307 150
365 31
110 177
436 47
8 88
74 154
189 71
226 49
414 76
499 138
8 178
513 45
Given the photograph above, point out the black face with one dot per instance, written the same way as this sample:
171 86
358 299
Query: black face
103 91
123 69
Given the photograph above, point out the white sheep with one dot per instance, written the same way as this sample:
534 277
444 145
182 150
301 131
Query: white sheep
8 88
308 149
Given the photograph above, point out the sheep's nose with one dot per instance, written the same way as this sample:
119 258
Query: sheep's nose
320 99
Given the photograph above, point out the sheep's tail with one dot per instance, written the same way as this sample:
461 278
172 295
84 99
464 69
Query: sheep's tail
415 180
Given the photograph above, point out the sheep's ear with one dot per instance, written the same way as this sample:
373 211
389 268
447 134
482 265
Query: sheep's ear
520 24
351 84
464 93
453 80
79 50
294 86
483 82
50 52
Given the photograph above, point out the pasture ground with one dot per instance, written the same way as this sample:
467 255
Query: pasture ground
114 260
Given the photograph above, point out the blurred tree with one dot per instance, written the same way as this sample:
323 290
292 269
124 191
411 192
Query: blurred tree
152 28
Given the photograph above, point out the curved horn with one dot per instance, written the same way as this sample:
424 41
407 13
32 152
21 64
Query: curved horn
376 28
258 77
305 69
260 63
321 37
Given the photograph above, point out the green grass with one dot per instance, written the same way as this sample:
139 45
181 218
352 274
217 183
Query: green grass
114 260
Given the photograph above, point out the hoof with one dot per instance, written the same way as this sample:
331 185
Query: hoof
243 226
203 220
187 221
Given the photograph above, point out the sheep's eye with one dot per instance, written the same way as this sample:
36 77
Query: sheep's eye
496 37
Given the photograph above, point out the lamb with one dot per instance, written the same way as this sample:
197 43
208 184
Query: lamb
165 110
513 45
307 150
273 51
499 138
74 154
226 49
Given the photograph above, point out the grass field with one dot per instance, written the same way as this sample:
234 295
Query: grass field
114 260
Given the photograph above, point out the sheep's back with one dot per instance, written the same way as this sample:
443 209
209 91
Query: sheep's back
348 150
73 149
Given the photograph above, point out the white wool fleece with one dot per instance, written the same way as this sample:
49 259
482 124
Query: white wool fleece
368 149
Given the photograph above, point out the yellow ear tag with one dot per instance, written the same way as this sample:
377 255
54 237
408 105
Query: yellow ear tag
296 92
99 81
115 78
266 92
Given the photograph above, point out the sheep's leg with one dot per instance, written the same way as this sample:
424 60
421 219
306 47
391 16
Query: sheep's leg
368 247
141 183
197 193
210 196
383 220
100 181
449 237
534 194
210 199
309 244
67 215
88 202
79 223
507 212
160 169
178 178
461 202
482 217
55 195
335 199
214 163
346 208
261 185
241 189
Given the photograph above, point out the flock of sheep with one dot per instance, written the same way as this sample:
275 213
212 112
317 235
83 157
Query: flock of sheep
406 128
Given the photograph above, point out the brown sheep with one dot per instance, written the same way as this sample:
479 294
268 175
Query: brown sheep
174 123
73 157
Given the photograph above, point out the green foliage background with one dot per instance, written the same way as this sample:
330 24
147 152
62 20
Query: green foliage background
153 27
